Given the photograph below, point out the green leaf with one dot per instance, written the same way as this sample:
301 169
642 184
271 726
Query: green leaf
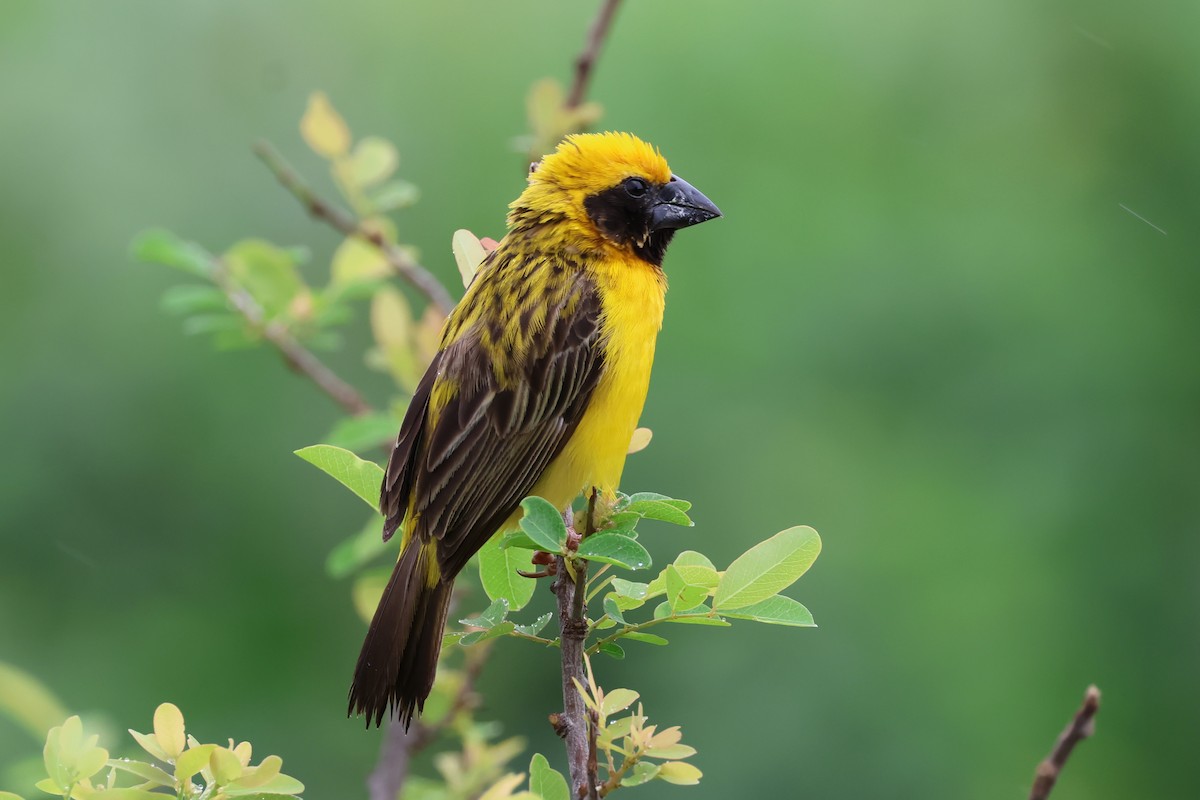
545 781
617 700
678 772
372 161
10 796
647 638
361 477
777 610
193 760
364 432
168 729
212 323
267 271
503 629
158 246
642 772
535 627
493 615
543 523
623 522
682 505
612 609
353 553
120 793
147 772
191 298
612 649
767 568
659 510
682 595
690 558
498 571
700 615
394 195
279 786
518 540
613 548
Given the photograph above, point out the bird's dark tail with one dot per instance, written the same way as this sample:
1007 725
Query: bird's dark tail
399 657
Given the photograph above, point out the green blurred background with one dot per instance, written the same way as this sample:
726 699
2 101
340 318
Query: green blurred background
926 327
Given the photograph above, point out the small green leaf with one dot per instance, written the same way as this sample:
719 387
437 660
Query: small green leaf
660 510
642 772
28 702
682 505
361 477
518 540
543 523
680 773
502 629
323 128
700 615
192 761
120 793
168 729
280 785
535 627
613 548
372 161
617 700
647 638
225 766
267 271
395 195
682 595
493 615
193 298
353 553
623 522
10 796
777 610
767 568
498 572
364 432
147 772
612 609
612 649
545 781
148 743
690 558
158 246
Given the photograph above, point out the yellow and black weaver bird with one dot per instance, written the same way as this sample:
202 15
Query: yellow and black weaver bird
536 389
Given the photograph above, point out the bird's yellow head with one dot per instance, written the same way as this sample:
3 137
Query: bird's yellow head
611 189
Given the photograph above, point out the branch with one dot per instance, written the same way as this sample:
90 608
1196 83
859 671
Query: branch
408 269
297 356
1081 727
400 745
591 50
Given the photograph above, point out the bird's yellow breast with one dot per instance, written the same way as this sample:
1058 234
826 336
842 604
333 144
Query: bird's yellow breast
632 295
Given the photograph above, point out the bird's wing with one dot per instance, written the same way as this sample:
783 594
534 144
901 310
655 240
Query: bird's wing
488 444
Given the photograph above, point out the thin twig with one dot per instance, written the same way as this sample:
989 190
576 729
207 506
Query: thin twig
1079 728
297 356
408 269
591 50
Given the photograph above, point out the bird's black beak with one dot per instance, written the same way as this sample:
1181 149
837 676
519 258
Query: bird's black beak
678 205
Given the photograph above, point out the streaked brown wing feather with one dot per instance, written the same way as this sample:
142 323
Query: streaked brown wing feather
491 442
398 477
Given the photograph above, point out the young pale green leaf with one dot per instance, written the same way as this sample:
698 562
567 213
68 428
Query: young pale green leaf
642 772
373 160
777 610
274 789
637 497
519 540
267 271
680 773
617 700
132 793
623 522
147 772
690 558
671 751
613 650
359 476
535 627
323 127
168 729
468 254
545 781
493 615
647 638
367 590
148 743
158 246
767 568
629 589
543 523
11 796
28 702
613 548
659 510
682 595
498 571
226 767
394 195
357 262
193 760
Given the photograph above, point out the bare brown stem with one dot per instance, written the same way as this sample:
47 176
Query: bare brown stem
1081 726
298 357
408 269
586 60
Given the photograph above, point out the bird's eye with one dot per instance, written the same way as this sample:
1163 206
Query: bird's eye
636 187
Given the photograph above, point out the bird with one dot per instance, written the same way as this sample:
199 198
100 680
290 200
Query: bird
537 386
